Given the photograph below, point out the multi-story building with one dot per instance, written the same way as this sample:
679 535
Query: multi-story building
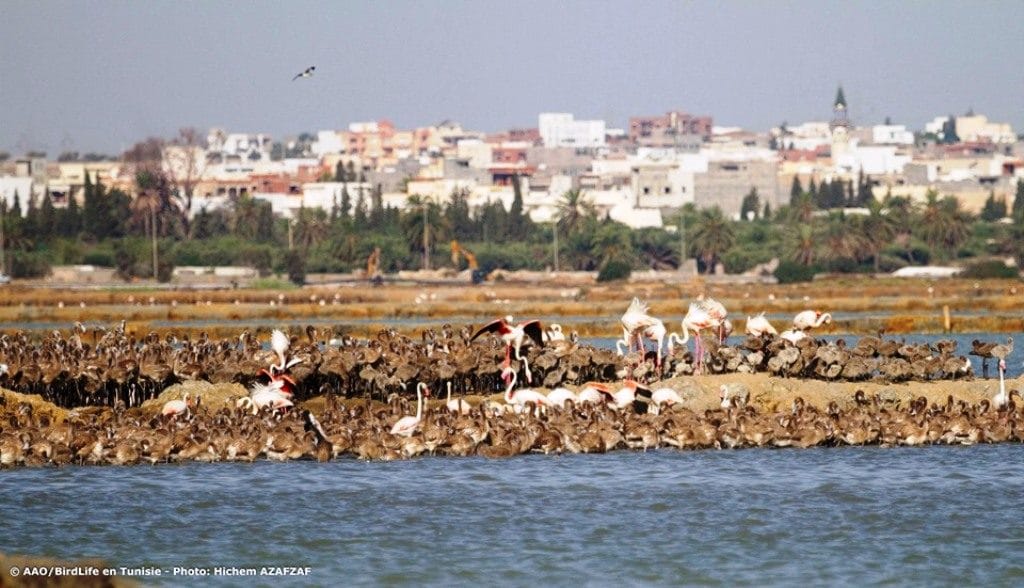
560 129
675 129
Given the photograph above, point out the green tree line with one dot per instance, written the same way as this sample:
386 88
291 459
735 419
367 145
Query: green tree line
810 234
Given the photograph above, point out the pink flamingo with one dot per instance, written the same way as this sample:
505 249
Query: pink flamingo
627 394
811 319
697 319
407 424
279 343
715 310
758 326
637 324
594 393
176 408
519 398
513 335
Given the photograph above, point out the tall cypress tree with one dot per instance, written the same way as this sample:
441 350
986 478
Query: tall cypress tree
516 218
796 189
47 227
1018 202
346 203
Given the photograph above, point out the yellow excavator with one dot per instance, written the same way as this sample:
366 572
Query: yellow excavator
373 267
476 273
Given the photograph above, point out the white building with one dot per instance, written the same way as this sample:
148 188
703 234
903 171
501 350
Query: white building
872 160
327 142
558 129
891 135
254 146
20 185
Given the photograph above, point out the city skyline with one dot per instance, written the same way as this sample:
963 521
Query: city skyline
100 76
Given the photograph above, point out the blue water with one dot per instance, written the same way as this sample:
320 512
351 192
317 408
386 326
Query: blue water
937 516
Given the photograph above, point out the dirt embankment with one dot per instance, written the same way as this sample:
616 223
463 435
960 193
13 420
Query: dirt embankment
766 392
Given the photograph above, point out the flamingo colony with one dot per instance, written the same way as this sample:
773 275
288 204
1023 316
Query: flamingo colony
598 416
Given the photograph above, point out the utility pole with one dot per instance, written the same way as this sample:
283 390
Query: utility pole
426 236
3 212
291 239
152 222
554 229
682 243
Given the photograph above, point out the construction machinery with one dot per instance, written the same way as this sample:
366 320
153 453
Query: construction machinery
476 274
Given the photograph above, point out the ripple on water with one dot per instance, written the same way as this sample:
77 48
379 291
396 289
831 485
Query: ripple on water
818 516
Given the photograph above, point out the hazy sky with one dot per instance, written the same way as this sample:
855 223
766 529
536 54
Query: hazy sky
100 75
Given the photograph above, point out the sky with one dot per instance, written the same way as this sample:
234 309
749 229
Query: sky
101 75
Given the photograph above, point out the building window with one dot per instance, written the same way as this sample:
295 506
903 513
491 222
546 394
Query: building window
647 190
668 190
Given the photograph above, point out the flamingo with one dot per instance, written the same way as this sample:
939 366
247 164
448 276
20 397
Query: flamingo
554 333
673 340
1001 399
758 326
559 396
265 398
635 324
513 335
697 319
281 383
619 344
811 319
457 406
594 393
279 343
519 398
717 311
627 394
407 424
656 333
793 335
176 408
666 396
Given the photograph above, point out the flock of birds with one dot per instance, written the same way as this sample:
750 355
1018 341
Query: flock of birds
108 379
385 431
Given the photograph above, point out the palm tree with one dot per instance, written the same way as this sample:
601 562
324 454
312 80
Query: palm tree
944 226
612 242
311 227
842 238
802 244
802 208
574 209
876 230
713 235
423 225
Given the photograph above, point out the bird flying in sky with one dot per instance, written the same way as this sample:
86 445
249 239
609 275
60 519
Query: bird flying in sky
308 73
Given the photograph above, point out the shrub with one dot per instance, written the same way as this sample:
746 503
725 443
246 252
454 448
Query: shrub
295 262
790 272
989 269
614 270
99 257
28 265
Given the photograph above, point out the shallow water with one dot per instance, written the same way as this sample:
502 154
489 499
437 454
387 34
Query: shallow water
848 516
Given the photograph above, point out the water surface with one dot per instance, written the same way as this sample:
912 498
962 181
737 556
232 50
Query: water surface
943 516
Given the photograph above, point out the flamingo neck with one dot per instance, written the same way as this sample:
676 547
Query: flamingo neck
419 400
508 388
